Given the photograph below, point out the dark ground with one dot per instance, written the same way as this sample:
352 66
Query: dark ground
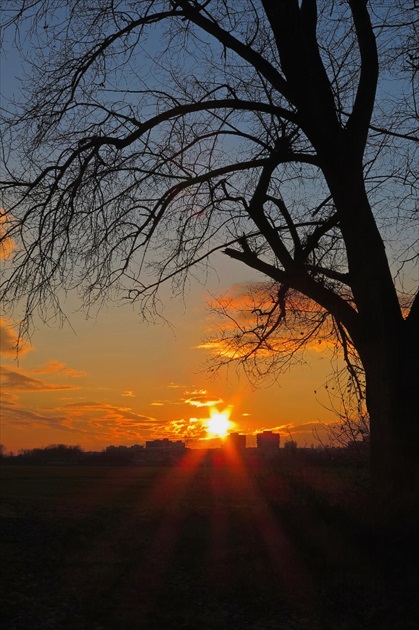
198 547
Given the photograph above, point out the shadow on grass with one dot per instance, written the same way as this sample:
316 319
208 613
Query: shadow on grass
202 547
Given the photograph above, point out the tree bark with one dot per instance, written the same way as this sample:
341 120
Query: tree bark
392 387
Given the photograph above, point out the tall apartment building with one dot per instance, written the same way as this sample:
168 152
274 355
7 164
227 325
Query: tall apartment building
236 440
267 442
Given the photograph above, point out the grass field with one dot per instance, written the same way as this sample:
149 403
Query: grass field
200 547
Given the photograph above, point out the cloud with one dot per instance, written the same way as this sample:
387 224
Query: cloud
16 380
56 367
215 346
195 398
185 429
291 427
10 343
20 418
309 426
92 423
110 423
96 422
7 244
248 320
8 398
122 424
200 398
99 406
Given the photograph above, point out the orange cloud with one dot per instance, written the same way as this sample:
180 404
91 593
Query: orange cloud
97 423
7 244
251 323
128 393
200 398
8 398
10 343
16 380
115 424
55 367
121 424
105 413
190 429
20 418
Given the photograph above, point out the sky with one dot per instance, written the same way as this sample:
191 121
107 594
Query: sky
113 379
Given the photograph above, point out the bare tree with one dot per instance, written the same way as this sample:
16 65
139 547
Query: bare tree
153 133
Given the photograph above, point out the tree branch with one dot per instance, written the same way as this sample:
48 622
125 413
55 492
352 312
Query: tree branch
244 51
359 120
306 285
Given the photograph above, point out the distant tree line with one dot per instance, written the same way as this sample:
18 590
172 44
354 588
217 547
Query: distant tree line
352 453
71 454
51 454
62 454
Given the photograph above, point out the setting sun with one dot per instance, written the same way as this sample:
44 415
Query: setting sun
218 424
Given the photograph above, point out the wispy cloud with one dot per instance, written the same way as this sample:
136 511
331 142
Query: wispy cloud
128 393
56 367
249 320
201 398
9 398
122 424
97 422
21 418
20 381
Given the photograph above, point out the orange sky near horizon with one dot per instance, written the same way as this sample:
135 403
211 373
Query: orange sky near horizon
117 380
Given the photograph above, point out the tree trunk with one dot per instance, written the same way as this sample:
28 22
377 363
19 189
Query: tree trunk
392 387
388 345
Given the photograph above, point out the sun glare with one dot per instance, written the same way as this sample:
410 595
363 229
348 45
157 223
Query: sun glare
218 424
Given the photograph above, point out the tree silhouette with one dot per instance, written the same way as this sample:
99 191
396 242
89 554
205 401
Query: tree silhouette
152 134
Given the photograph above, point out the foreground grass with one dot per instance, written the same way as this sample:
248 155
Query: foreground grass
201 547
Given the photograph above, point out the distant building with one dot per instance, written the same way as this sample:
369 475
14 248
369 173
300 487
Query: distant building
267 442
236 440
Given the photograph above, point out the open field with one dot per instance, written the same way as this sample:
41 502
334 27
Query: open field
200 547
